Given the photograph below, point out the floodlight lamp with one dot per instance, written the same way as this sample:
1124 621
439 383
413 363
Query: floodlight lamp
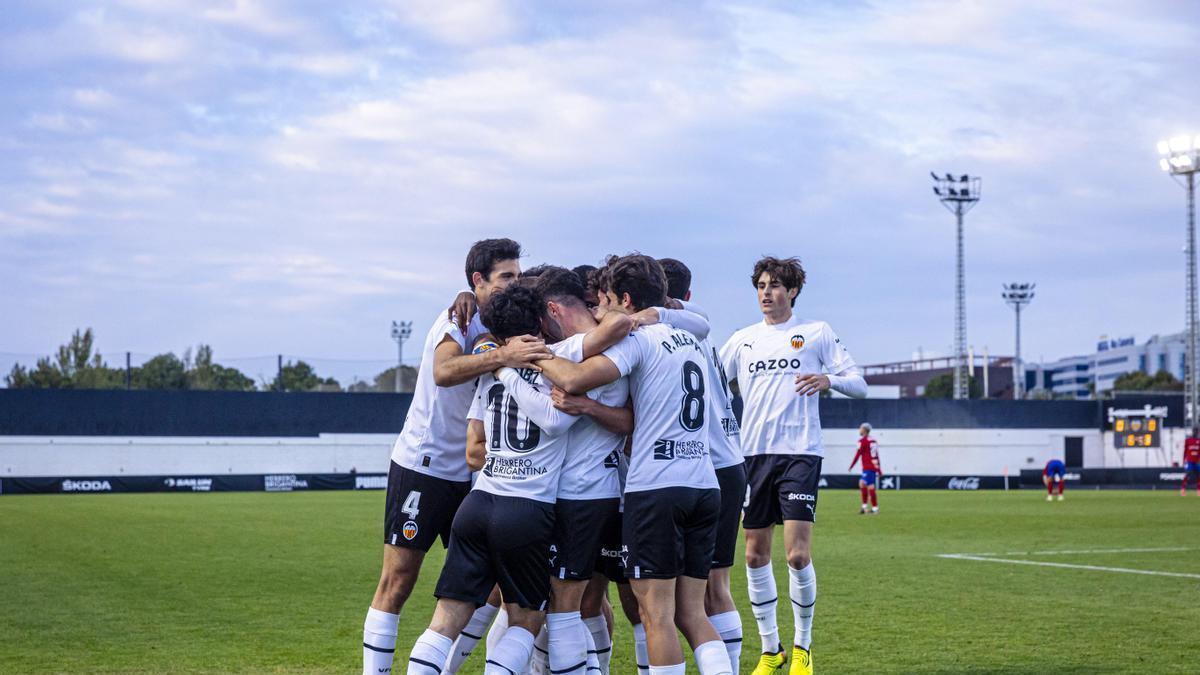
949 177
1163 147
1180 144
964 178
938 192
1166 166
953 192
933 176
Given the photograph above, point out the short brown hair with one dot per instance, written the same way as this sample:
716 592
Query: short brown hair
641 277
786 271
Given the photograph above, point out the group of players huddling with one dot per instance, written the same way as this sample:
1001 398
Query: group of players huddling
602 444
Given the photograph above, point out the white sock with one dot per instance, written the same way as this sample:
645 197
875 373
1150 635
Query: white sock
712 659
641 652
496 632
729 626
511 654
539 661
379 641
803 590
429 654
568 647
469 637
598 627
593 659
760 582
676 669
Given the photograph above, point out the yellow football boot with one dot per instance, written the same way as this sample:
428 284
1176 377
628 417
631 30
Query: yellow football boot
801 662
770 663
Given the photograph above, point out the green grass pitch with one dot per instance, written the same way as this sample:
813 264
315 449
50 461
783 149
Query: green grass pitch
249 582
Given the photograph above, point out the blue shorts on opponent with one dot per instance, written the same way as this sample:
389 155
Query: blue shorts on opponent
869 477
1055 467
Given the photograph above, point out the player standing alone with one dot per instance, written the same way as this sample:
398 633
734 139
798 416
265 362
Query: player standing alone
780 365
868 452
1191 461
1055 472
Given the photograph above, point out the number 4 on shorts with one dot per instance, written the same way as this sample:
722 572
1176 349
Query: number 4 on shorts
412 504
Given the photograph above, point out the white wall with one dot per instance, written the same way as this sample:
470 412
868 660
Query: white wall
154 456
950 451
905 451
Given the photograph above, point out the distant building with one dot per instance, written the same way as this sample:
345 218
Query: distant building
1087 375
912 376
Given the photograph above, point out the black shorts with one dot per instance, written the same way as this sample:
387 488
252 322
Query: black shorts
499 540
578 532
670 532
733 494
420 507
611 560
782 487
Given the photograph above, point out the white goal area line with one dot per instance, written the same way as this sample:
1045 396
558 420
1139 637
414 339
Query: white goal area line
1098 568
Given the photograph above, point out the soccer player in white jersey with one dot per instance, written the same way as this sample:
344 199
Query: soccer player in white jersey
672 499
781 365
429 476
726 453
589 487
501 533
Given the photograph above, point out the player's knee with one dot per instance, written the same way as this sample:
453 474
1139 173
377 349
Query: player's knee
798 560
757 558
397 584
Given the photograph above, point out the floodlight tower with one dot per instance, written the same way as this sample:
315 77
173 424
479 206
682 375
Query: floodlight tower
401 330
959 195
1180 157
1017 296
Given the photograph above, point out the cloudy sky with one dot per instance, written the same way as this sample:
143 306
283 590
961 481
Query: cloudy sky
291 176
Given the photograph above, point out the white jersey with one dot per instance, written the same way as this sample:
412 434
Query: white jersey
434 438
765 360
524 459
590 469
724 445
668 377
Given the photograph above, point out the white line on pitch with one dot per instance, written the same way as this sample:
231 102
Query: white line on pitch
1100 550
1042 563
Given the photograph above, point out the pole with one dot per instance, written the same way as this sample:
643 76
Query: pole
399 362
1018 371
128 372
1190 359
279 371
961 383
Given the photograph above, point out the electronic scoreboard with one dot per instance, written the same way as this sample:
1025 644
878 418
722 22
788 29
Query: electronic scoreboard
1137 428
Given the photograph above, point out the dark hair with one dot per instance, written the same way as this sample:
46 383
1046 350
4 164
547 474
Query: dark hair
786 271
641 277
484 255
679 277
602 279
517 310
535 271
583 271
560 285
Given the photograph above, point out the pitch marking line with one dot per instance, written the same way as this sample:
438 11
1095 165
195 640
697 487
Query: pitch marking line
1171 549
1043 563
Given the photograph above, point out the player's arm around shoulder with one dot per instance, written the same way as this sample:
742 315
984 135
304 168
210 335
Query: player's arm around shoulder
579 378
612 329
616 420
452 367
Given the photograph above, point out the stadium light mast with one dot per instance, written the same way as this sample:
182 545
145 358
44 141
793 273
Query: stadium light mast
1180 157
1017 296
401 330
959 195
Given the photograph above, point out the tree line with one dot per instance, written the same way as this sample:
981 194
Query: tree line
76 365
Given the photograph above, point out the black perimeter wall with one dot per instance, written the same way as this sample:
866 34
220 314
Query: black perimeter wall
26 412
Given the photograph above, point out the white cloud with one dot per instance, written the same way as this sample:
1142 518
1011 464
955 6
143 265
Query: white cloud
462 23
